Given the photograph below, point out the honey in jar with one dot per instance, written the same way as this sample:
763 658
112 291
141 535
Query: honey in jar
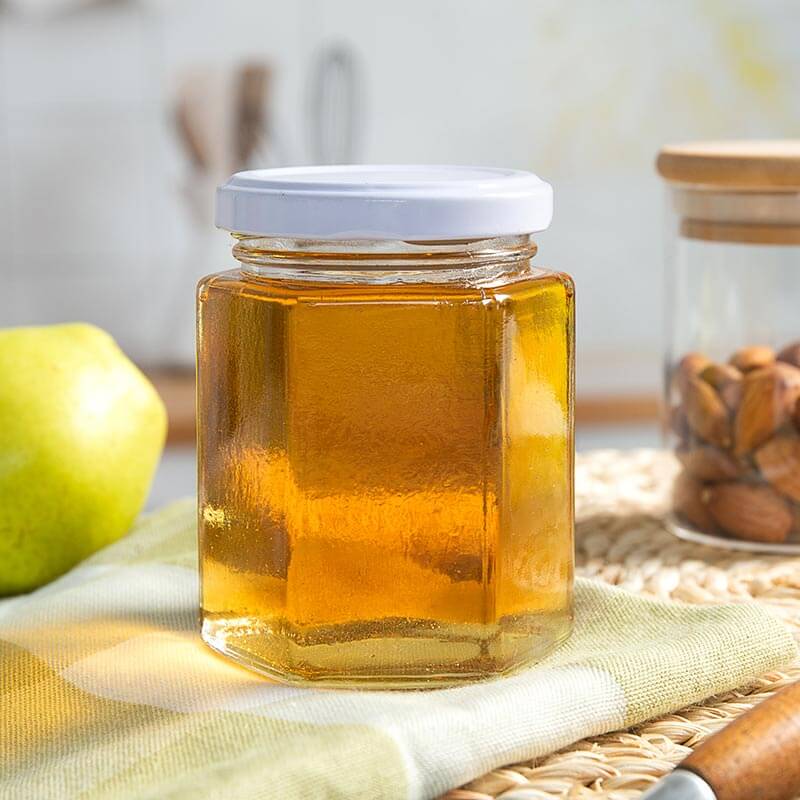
385 427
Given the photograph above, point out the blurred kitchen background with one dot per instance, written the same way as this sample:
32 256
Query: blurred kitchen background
117 119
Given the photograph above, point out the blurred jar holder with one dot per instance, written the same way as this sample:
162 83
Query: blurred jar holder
733 377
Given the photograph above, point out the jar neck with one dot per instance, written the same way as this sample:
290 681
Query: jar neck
382 260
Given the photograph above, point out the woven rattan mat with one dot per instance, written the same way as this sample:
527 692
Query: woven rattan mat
621 540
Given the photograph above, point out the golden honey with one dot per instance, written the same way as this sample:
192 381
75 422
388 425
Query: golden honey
386 470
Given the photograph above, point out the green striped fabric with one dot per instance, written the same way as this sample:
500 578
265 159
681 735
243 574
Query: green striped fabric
106 691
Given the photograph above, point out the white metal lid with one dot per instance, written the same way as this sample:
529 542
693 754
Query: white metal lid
406 202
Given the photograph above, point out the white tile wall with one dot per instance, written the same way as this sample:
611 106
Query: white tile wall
92 60
582 92
73 192
6 271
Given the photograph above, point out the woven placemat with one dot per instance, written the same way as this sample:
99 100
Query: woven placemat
620 539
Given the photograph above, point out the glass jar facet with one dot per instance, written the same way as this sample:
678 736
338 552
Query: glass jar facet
385 449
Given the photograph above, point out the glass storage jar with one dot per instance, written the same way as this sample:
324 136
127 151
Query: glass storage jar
385 402
733 361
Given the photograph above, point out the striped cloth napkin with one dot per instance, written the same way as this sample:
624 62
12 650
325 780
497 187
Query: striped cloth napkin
106 691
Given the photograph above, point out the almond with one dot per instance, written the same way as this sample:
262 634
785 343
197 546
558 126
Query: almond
678 423
768 398
789 375
790 354
779 462
706 412
688 500
753 357
727 380
708 463
720 375
731 395
690 366
749 511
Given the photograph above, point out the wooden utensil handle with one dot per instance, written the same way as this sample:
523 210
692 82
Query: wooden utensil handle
757 755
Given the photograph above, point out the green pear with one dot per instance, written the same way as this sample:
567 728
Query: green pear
81 433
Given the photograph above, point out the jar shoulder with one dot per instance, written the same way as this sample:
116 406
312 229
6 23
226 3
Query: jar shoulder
485 289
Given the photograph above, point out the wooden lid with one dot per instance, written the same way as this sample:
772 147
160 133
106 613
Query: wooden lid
711 231
741 164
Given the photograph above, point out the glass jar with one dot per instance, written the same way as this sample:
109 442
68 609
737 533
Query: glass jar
733 361
385 401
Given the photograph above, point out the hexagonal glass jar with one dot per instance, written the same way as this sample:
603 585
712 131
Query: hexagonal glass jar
385 458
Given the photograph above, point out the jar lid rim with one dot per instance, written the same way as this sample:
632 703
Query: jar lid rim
397 201
746 164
